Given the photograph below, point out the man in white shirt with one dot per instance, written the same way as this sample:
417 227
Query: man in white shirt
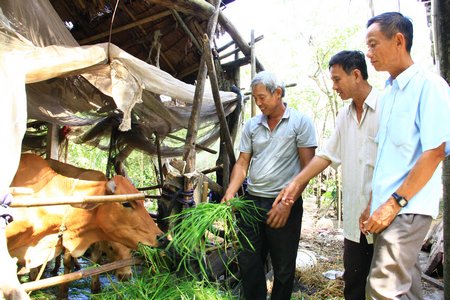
352 146
413 139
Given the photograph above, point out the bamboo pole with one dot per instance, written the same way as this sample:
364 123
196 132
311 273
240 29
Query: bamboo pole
48 282
63 200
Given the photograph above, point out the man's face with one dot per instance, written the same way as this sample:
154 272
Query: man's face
382 52
266 101
343 83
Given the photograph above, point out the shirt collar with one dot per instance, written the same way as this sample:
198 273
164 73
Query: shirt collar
404 77
287 113
370 102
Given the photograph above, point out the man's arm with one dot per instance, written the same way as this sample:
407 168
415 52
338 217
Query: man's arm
419 175
294 189
238 175
279 213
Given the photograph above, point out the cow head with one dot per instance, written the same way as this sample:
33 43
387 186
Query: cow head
128 222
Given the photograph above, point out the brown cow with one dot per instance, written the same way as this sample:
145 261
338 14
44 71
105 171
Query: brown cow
33 237
114 251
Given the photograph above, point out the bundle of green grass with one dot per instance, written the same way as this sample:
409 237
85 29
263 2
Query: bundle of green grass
196 232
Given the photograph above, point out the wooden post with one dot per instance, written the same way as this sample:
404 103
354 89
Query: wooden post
253 67
225 133
191 136
160 165
52 141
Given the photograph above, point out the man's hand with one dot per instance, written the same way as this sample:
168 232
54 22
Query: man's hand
278 215
226 197
288 195
363 218
382 217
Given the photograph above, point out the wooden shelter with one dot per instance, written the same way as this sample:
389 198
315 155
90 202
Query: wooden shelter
125 75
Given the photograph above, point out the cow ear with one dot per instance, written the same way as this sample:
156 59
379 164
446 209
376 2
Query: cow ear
110 187
87 206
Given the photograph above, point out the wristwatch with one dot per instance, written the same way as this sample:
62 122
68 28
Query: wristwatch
400 200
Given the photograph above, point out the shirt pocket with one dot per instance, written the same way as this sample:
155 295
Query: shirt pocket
285 145
370 150
399 129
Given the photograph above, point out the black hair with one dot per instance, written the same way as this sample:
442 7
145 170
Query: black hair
350 60
393 22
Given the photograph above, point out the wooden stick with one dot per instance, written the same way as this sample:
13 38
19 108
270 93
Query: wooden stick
197 146
225 132
148 188
63 200
48 282
213 169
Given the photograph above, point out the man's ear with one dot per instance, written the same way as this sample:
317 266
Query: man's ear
357 73
278 92
400 40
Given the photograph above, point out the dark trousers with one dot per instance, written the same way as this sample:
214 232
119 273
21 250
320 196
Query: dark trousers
357 259
281 244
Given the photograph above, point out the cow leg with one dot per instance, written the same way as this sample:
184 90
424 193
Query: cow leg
64 287
57 266
96 254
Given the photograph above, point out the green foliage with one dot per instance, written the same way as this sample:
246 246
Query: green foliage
207 225
195 232
165 286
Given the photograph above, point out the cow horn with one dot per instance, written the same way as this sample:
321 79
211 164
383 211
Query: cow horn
111 187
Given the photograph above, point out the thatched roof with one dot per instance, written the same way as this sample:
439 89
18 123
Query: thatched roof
163 33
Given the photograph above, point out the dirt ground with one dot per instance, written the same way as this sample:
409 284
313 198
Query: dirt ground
324 238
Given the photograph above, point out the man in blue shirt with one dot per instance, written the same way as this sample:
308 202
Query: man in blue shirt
275 146
413 139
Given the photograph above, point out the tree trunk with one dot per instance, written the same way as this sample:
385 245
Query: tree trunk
441 11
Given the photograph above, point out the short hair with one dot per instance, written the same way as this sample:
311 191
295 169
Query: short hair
350 60
393 22
269 80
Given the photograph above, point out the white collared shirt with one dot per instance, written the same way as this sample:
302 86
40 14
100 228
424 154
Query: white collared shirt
352 145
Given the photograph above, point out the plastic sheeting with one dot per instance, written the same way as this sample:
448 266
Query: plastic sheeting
46 76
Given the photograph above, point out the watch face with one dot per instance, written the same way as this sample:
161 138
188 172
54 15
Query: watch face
402 202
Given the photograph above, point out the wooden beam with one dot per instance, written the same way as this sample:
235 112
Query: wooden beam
242 44
259 38
202 9
126 27
186 30
199 8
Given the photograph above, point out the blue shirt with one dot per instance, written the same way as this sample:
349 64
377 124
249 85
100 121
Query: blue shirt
275 159
415 117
